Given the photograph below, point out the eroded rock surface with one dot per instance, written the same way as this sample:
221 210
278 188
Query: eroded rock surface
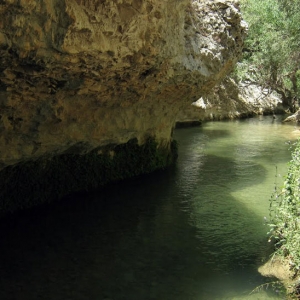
230 100
295 118
280 269
90 89
80 74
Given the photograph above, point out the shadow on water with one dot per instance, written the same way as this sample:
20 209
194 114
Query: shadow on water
225 224
137 243
180 234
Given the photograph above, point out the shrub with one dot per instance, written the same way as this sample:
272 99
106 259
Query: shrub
285 215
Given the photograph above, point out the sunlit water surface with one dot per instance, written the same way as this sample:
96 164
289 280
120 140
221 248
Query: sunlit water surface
193 232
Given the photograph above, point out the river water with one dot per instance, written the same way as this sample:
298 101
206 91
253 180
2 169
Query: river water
193 232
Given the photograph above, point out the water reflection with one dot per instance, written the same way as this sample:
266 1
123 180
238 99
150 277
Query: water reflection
193 232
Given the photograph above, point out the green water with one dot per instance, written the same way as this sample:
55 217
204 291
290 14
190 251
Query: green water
193 232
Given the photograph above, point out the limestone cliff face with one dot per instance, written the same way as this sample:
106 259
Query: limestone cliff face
230 100
81 74
90 89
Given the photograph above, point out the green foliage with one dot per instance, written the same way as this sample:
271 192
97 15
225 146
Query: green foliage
285 214
48 179
271 55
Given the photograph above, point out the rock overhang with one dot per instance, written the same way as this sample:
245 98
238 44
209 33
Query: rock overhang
97 72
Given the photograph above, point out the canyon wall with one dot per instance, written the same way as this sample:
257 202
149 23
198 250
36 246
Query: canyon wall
230 100
79 77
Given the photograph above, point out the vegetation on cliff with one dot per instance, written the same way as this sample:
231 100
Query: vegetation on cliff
271 53
272 59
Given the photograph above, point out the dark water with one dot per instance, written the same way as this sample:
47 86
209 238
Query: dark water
193 232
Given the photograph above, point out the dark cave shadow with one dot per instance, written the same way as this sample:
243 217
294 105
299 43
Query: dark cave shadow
145 238
128 239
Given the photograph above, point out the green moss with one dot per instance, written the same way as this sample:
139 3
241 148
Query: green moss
48 179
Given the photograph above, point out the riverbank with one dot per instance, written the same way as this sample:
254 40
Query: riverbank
284 224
